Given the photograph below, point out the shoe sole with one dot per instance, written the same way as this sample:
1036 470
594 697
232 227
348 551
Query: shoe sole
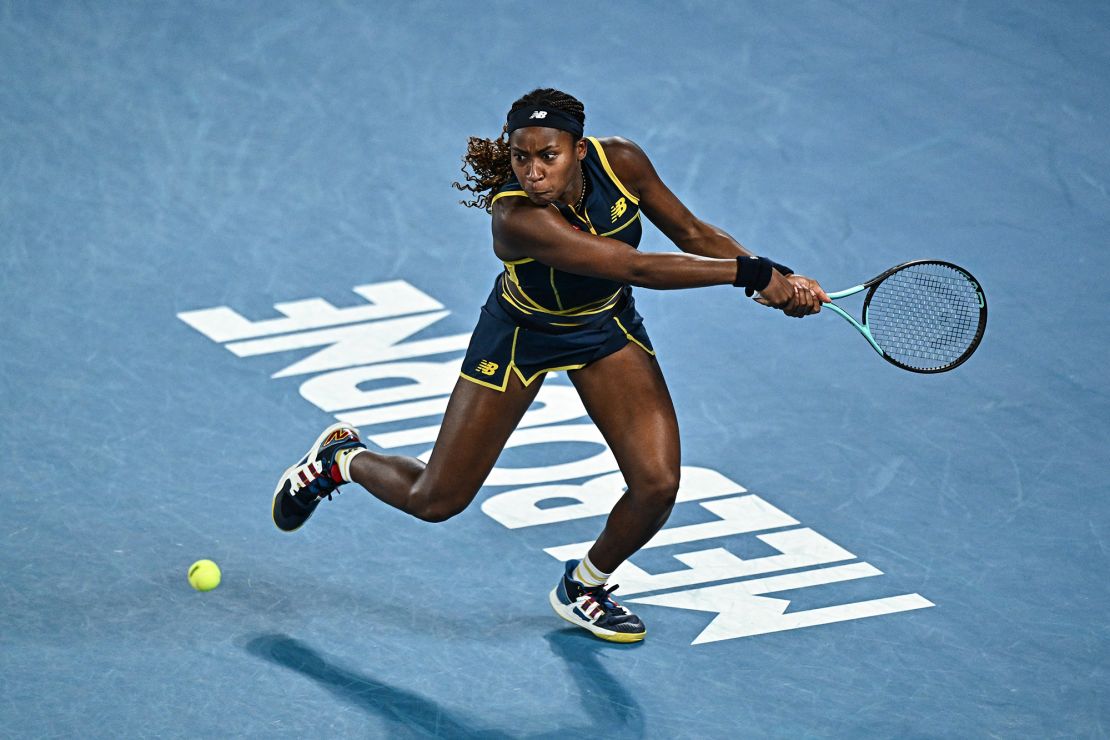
315 448
565 612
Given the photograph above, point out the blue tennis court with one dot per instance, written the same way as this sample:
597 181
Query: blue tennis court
225 226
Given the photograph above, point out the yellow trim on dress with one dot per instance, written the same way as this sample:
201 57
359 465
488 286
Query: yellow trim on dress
584 218
513 368
598 302
532 303
508 193
515 303
629 222
609 303
586 309
581 311
558 298
632 338
483 383
538 373
612 301
528 381
515 280
609 171
512 362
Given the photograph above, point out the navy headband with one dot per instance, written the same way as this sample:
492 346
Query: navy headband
543 116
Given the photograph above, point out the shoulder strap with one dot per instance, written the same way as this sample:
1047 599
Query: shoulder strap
609 170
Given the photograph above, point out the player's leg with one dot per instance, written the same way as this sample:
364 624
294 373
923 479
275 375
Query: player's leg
627 397
475 428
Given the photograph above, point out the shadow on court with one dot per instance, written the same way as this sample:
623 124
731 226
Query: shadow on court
404 711
604 699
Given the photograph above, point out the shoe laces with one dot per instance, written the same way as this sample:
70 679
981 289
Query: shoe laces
319 484
601 594
325 483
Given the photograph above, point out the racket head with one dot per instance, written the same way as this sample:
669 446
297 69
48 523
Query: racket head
927 316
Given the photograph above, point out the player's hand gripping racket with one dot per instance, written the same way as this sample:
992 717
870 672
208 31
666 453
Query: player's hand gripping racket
927 316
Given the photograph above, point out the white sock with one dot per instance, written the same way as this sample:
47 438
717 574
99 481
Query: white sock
343 460
589 574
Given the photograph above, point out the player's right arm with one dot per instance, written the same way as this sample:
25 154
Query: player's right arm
522 229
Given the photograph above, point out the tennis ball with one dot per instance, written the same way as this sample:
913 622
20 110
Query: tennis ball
204 575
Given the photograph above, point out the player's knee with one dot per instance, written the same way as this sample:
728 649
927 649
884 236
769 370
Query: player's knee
659 491
436 513
439 506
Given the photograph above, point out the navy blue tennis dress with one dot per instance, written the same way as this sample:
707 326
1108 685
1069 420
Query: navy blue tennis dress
539 319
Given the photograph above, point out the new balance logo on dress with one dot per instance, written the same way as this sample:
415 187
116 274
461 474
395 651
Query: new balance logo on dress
485 367
618 209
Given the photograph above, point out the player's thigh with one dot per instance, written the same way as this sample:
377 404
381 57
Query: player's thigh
627 397
476 425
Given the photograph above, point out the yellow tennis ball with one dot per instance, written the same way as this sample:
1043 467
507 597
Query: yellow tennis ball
204 575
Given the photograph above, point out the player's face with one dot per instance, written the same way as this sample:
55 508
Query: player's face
546 162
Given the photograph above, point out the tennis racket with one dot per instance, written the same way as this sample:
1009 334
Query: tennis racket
925 316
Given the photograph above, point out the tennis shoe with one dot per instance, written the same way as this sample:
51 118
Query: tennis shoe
316 476
594 609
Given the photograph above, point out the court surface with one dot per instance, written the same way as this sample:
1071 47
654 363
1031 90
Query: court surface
859 551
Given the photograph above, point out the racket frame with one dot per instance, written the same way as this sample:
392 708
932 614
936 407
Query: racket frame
870 286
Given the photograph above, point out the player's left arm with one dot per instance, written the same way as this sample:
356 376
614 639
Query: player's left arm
689 233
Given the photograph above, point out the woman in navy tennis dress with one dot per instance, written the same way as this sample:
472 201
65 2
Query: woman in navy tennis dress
539 318
566 218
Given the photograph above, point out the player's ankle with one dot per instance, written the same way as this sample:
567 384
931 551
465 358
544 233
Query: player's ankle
341 473
588 574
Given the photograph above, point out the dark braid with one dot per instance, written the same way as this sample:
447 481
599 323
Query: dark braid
489 158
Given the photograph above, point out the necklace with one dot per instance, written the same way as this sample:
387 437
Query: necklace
581 195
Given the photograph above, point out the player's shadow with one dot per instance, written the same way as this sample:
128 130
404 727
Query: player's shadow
604 698
403 710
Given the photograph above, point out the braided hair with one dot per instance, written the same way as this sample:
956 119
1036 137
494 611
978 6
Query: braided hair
488 159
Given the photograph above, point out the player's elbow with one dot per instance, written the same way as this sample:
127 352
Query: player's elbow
692 235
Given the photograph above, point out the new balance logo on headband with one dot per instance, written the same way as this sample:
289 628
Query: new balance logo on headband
548 118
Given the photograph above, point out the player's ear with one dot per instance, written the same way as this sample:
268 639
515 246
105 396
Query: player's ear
580 149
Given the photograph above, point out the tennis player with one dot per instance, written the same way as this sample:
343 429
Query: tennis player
566 211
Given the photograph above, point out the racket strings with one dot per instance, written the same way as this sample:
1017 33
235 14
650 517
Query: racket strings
925 316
